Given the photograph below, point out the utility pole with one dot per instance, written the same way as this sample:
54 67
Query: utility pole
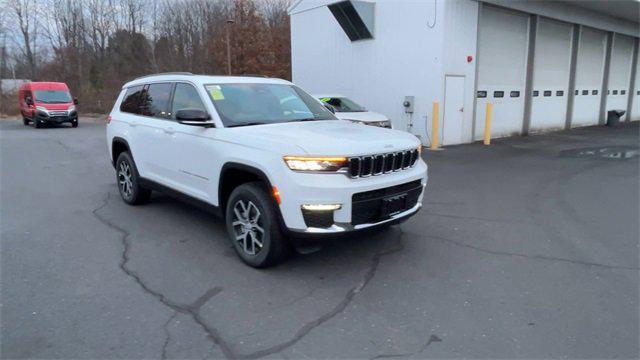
229 22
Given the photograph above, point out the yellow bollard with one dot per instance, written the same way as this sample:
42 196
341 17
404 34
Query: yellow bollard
487 124
435 126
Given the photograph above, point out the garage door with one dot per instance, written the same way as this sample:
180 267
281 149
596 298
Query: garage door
502 59
620 73
635 106
589 73
551 75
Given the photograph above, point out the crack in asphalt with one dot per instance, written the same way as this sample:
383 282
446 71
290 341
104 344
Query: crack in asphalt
167 334
194 309
64 146
432 339
190 309
339 308
526 256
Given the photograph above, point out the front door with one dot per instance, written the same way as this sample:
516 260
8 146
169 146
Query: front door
452 127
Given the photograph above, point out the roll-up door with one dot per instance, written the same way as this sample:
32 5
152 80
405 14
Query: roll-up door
589 73
620 73
635 105
502 60
551 75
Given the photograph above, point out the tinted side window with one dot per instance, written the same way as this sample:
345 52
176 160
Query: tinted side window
131 102
155 100
186 97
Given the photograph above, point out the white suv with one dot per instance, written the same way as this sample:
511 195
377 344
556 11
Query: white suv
265 156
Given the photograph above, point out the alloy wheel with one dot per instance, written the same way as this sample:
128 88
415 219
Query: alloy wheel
247 226
124 180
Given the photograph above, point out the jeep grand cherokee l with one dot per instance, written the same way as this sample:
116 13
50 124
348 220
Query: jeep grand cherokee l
267 157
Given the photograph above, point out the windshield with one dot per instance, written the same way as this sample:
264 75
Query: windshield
53 96
342 104
256 104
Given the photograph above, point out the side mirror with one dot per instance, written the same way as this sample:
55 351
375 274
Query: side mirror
330 108
75 101
194 117
28 101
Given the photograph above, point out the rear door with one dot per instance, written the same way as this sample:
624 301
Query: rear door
148 118
155 130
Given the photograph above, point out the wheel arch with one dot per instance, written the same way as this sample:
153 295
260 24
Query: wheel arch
235 174
118 146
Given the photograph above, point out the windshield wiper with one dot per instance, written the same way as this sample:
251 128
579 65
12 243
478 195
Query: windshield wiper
248 124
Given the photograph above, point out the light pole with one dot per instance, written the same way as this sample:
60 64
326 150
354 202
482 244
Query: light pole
229 22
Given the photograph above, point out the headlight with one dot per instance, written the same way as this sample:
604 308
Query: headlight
42 108
71 108
315 163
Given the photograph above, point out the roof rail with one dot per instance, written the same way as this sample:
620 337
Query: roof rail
166 73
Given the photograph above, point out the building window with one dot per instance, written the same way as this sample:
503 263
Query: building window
357 23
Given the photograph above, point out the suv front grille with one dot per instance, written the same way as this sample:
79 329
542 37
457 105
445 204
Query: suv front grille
57 113
368 165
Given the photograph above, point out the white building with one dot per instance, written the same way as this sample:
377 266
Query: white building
544 65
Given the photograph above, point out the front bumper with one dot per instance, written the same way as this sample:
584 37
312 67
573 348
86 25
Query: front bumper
58 117
303 188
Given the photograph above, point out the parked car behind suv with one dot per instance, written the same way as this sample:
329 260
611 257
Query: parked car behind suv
47 103
267 157
347 109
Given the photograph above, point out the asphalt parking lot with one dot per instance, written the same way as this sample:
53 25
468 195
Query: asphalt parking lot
524 249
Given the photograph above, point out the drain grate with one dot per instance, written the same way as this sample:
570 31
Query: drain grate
607 153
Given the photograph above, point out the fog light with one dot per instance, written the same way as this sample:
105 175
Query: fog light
321 207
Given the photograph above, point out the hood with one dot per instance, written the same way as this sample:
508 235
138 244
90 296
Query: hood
330 137
49 106
364 116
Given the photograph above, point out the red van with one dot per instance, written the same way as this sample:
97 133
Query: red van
47 103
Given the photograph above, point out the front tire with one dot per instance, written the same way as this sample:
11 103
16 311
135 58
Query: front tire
253 227
74 123
37 124
128 181
25 121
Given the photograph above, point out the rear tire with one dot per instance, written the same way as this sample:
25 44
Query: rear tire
128 181
253 227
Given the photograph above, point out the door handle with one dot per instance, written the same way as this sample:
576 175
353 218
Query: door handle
169 130
461 109
133 123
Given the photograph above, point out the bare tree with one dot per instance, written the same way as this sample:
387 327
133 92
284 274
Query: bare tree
27 16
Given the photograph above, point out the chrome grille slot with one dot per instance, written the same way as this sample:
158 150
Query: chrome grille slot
367 166
406 159
397 161
388 163
378 161
377 164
